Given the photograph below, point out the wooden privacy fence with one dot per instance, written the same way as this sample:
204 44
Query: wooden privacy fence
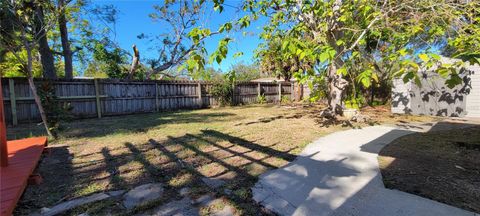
108 97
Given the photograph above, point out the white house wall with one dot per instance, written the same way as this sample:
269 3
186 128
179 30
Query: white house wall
473 98
433 97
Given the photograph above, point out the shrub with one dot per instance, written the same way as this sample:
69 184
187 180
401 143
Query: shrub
55 110
261 99
354 103
284 99
223 93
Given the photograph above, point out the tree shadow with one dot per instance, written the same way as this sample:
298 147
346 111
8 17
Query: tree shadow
273 118
307 186
55 167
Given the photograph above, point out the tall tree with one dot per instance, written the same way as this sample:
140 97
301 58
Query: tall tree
66 50
246 72
46 55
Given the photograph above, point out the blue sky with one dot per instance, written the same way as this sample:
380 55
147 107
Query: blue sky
133 20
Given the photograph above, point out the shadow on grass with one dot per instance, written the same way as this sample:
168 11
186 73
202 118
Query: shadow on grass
194 155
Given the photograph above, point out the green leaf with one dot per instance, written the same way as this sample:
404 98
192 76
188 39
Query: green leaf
237 54
408 76
443 72
340 42
332 53
417 80
225 27
403 52
298 52
375 77
424 57
453 81
285 44
435 56
323 57
302 55
342 71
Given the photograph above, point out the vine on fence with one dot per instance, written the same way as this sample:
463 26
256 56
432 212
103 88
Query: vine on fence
223 90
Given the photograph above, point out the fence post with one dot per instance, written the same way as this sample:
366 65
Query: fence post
292 92
97 98
199 92
13 101
279 92
233 93
259 90
156 97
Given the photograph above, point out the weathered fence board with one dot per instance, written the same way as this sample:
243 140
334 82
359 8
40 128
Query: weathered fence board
108 97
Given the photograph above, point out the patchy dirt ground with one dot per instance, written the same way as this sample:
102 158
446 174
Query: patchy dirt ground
178 149
442 165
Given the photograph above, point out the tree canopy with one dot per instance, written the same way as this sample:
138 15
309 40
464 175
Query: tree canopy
366 37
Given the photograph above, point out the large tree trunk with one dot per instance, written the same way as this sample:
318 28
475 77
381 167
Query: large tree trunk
37 99
336 86
67 52
336 83
46 54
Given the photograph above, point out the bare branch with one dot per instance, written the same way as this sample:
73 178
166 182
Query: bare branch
135 61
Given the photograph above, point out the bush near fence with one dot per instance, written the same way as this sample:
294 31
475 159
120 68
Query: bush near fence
109 97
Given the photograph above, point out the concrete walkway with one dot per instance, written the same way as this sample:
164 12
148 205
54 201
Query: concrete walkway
339 175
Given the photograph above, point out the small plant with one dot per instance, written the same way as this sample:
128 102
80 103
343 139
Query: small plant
261 99
242 193
354 103
284 99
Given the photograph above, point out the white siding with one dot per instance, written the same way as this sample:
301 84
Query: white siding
473 99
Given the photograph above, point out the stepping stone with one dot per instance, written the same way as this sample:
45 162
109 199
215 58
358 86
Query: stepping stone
203 200
142 194
65 206
227 191
184 191
116 194
181 207
213 183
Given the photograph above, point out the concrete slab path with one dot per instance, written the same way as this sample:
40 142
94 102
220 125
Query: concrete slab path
339 175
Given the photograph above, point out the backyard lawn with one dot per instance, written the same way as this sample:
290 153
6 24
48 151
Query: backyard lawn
178 149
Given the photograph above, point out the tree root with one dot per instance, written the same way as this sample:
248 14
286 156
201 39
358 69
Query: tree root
328 118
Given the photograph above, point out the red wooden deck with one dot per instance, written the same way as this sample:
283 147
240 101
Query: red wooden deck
23 156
